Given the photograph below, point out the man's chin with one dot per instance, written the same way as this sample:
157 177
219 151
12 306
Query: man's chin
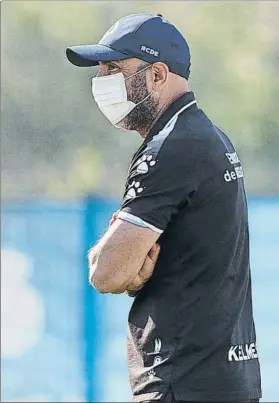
124 124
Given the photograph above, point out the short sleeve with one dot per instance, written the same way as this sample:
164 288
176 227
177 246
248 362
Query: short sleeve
160 179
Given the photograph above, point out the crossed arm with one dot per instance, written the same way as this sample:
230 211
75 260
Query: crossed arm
124 258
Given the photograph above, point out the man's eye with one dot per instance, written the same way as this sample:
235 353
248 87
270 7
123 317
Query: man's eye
112 67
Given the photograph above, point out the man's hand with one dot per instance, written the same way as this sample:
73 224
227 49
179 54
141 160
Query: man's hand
145 272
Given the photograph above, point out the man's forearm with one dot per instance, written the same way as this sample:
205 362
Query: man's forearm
119 256
101 277
100 283
92 259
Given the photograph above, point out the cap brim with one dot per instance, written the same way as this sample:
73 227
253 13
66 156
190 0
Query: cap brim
91 55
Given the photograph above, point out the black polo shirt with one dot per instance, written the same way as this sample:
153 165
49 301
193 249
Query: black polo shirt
191 327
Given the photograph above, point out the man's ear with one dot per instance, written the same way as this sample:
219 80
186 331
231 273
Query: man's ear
160 73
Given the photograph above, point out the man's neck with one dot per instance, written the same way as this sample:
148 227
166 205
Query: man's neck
161 109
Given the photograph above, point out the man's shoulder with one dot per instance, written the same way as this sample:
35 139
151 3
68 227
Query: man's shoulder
190 130
197 131
194 122
191 133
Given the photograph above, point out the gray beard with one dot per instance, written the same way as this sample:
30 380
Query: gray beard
141 117
144 114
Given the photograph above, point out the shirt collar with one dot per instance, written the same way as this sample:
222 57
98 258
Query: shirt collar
184 100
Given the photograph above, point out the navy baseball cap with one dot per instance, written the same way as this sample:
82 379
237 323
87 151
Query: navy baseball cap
148 37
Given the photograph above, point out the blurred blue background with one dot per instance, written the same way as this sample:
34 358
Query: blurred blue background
62 341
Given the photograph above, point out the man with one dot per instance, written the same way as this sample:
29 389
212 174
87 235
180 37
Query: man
191 331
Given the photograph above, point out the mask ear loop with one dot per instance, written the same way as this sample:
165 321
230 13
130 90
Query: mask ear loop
137 72
149 95
134 74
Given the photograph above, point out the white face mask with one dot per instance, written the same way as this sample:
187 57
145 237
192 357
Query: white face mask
111 96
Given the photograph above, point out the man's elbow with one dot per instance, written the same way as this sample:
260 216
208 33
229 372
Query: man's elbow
97 283
102 282
95 278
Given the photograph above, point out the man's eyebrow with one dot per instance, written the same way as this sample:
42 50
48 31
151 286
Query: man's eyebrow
115 63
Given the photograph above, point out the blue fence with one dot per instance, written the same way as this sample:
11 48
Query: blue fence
63 342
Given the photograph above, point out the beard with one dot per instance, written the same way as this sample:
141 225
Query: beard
144 114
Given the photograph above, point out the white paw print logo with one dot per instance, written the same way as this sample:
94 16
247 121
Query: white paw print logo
151 374
142 165
134 189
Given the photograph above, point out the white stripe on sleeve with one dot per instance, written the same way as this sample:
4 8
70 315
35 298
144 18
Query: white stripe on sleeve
138 221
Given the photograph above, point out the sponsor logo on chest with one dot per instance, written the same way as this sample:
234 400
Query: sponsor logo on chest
237 172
